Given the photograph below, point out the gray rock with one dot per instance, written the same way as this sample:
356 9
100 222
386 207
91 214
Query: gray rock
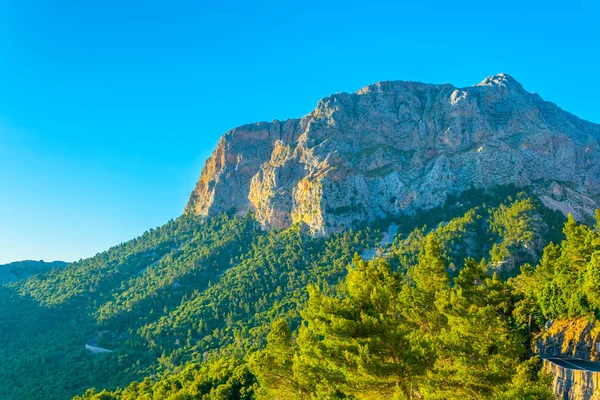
397 147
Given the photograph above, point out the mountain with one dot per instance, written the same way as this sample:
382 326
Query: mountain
397 147
24 269
438 295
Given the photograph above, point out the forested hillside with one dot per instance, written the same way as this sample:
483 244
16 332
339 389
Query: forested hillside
24 269
220 307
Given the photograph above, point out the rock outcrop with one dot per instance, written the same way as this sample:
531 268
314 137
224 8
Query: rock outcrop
572 339
578 338
573 384
397 147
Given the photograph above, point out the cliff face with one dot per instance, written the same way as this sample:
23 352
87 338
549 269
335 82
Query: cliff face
396 147
578 338
573 384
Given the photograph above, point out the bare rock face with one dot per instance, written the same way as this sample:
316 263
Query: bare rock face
397 147
579 338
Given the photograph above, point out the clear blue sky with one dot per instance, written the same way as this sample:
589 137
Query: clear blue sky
108 109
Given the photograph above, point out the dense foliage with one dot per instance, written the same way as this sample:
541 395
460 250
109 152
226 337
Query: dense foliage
388 335
219 308
566 283
23 269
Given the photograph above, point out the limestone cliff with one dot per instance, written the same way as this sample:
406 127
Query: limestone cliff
576 342
578 338
397 147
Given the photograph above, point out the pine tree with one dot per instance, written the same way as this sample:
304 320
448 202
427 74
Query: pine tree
477 350
591 285
358 343
428 285
273 365
529 382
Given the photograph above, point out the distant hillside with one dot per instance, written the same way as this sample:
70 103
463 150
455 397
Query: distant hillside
17 270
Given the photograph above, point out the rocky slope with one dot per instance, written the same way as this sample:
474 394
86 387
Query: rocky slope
396 147
578 338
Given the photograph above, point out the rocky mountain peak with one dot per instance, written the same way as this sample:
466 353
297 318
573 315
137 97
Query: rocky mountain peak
501 79
396 147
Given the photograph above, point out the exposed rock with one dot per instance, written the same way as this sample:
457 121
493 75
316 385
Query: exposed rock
576 338
573 384
397 147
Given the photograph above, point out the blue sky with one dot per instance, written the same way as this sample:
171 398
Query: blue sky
109 109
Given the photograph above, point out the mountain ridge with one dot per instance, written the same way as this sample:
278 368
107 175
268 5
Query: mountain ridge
17 270
409 143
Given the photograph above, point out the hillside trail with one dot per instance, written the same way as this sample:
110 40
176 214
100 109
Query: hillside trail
386 239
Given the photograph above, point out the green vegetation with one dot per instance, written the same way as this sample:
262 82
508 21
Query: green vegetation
226 378
23 269
388 335
566 283
220 309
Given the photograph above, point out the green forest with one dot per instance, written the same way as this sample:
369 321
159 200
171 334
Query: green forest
219 308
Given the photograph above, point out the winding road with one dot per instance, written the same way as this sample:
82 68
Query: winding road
572 363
